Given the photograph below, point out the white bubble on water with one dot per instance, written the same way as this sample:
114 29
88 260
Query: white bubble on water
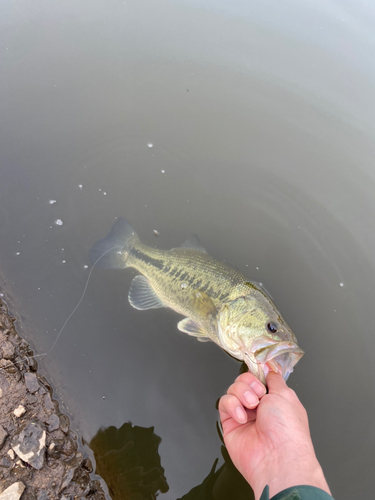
59 222
156 232
257 268
341 284
150 145
64 261
52 202
163 171
86 266
80 186
18 253
1 295
105 194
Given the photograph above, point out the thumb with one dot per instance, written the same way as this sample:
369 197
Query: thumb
275 383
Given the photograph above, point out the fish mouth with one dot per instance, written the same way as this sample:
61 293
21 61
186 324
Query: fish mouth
280 358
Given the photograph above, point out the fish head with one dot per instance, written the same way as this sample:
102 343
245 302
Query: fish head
251 329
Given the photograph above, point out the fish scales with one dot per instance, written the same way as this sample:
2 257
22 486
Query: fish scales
168 270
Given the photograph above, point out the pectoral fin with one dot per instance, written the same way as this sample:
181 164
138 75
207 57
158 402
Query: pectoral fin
191 327
142 296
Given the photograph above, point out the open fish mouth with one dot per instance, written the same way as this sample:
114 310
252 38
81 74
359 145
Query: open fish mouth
280 358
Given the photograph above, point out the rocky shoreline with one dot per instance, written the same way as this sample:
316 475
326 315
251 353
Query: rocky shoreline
39 454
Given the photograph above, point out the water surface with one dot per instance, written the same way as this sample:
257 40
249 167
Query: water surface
260 117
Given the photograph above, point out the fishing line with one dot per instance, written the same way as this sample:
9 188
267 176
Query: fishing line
67 319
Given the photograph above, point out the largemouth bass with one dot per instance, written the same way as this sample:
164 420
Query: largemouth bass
219 303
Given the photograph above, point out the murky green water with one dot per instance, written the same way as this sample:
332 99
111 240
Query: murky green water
260 117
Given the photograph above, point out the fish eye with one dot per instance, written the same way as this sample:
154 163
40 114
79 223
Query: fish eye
272 327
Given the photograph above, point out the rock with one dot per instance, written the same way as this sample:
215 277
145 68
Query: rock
30 444
4 384
42 495
7 365
14 491
8 350
3 436
68 476
55 448
32 384
53 422
48 404
33 365
11 454
87 465
64 424
31 399
21 410
4 462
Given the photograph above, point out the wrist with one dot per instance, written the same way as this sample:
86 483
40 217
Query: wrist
287 469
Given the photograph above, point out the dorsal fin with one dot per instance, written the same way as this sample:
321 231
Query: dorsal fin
194 243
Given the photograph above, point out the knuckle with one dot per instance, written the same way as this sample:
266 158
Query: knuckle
246 377
232 389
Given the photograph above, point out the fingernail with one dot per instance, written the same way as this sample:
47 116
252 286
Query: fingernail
250 398
258 388
241 415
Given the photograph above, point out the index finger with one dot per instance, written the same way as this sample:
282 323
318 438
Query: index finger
255 384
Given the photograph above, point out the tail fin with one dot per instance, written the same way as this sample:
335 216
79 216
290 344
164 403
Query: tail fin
112 251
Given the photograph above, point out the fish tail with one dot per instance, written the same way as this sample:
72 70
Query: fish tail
112 251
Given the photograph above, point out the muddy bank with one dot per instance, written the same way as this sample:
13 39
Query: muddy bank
39 455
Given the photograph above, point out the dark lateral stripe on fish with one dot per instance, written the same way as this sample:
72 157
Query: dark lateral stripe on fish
159 264
191 281
196 284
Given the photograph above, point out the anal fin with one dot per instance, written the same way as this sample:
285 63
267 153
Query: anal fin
142 296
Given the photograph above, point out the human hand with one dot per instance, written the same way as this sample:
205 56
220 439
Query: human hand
267 435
